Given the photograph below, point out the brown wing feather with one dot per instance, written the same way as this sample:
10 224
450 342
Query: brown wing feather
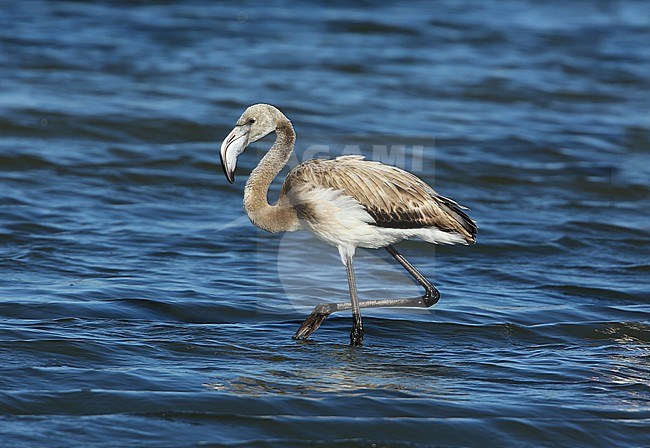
393 197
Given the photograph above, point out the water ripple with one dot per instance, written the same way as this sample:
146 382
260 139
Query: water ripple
138 306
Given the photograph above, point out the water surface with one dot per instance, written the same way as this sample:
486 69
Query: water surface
139 307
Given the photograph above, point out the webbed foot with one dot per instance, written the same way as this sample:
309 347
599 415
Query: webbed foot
313 322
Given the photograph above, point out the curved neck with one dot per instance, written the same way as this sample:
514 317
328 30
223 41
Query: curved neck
280 217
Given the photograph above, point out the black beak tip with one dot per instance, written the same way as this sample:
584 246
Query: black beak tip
229 176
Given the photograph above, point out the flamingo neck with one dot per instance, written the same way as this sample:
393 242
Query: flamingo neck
280 217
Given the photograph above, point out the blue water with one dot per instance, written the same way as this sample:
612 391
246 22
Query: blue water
140 308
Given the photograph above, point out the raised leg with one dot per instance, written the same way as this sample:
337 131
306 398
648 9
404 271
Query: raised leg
323 310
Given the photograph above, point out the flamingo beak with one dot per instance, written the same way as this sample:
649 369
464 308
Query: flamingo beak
233 145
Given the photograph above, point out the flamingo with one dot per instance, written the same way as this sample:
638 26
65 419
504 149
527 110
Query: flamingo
348 202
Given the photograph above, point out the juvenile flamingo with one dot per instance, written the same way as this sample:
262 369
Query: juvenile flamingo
347 202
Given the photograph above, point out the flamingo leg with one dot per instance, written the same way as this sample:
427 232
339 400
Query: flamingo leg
356 336
323 310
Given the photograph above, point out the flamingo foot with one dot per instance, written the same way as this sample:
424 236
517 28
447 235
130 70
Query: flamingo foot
313 322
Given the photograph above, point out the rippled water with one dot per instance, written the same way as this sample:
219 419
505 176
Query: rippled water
139 307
